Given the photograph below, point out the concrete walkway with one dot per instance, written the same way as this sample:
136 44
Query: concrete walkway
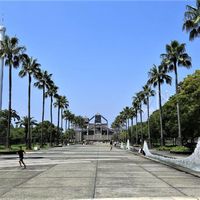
92 171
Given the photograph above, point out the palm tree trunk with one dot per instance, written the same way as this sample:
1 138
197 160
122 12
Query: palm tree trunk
161 124
149 134
128 129
61 118
131 129
51 118
43 105
29 111
177 106
141 126
58 124
51 110
9 107
68 124
136 128
65 125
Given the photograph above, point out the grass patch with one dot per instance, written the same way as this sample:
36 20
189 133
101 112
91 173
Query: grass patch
14 147
163 148
180 149
174 149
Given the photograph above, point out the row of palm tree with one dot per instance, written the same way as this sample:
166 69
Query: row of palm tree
174 57
14 56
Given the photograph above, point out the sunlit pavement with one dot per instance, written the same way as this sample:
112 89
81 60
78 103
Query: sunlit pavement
93 171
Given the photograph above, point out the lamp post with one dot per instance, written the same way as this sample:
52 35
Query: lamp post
2 34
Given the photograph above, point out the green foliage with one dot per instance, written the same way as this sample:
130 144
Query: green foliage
163 148
17 135
189 103
123 135
179 149
48 129
68 136
174 149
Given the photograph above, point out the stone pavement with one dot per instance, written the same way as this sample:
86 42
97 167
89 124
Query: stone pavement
92 171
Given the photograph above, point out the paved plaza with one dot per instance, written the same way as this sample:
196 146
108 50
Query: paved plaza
93 171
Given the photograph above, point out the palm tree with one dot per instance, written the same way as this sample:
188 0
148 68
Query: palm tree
138 102
148 92
29 67
43 80
192 20
58 103
176 56
10 51
26 122
126 112
136 107
64 103
157 76
66 116
132 115
51 92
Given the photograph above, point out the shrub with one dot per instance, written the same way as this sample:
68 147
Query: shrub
179 149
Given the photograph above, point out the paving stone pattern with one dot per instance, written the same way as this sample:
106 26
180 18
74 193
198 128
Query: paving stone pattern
93 171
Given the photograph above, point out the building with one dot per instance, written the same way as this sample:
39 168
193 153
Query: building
96 130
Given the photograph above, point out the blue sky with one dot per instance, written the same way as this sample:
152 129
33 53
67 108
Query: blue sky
99 52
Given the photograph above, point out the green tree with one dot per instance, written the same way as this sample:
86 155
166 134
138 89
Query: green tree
26 123
189 98
4 119
176 56
192 20
10 51
48 130
157 76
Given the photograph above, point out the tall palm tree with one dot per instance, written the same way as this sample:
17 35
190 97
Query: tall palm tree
51 92
140 97
148 92
66 116
43 80
157 76
126 112
174 57
192 20
64 103
136 106
29 67
138 102
61 102
71 119
132 115
123 118
10 51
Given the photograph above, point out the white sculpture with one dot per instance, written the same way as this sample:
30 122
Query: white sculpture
192 162
128 144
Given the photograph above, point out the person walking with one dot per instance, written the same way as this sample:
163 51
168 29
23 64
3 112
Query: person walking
111 145
21 153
